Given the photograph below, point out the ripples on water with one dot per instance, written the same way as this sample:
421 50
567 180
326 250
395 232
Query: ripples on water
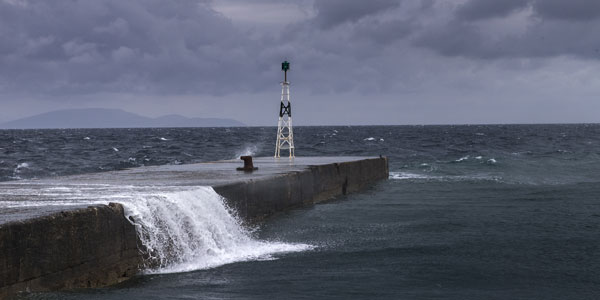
530 154
469 212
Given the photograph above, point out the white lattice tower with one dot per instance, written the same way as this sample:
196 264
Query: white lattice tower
285 133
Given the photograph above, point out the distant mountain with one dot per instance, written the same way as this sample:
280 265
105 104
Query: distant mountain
111 118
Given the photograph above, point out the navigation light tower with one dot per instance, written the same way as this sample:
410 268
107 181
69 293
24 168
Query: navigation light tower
285 134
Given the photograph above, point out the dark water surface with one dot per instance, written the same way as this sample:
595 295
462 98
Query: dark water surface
469 212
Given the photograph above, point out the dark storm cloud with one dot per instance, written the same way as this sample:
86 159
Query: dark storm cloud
178 47
455 39
547 28
384 32
483 9
572 10
335 12
113 45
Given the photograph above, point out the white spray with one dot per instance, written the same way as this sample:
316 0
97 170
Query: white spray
192 230
181 228
248 150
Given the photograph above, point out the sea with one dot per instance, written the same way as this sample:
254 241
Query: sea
468 212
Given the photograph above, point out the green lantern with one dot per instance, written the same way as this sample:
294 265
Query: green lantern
285 66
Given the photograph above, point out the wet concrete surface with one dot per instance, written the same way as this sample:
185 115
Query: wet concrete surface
25 199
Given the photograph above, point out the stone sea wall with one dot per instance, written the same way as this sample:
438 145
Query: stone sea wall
97 246
255 200
90 247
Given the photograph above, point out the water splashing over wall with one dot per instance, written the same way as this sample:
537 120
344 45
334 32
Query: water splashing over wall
181 228
190 230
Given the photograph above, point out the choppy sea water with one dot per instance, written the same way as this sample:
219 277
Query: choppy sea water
468 212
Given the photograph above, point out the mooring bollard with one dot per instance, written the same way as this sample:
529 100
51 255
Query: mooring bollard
248 165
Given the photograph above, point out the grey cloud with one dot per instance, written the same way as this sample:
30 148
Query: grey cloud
185 47
384 32
113 45
484 9
571 10
359 61
335 12
553 29
454 39
545 40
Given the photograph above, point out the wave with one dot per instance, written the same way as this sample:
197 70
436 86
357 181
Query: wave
193 230
479 158
21 166
464 158
371 139
406 175
181 229
415 176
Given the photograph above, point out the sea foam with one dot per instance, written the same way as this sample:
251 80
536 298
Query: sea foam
443 178
192 230
181 228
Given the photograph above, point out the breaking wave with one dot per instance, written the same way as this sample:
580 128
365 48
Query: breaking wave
193 230
415 176
181 228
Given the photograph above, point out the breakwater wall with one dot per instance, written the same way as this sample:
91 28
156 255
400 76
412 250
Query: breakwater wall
97 246
255 200
90 247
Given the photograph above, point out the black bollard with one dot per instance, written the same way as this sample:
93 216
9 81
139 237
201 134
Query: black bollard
248 166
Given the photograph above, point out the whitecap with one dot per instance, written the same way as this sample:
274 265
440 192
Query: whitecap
18 170
491 161
115 149
86 138
406 175
443 178
22 166
369 139
462 158
163 139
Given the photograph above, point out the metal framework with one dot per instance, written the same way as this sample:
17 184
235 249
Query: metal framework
285 133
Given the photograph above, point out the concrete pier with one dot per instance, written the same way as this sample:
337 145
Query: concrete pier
52 244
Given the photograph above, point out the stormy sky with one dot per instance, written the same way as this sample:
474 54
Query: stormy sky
352 61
